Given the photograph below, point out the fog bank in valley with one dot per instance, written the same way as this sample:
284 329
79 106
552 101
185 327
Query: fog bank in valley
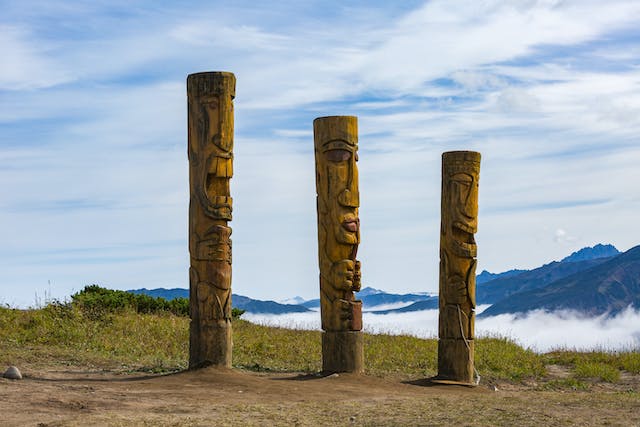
537 330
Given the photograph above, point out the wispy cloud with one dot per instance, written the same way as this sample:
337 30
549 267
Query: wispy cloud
93 131
25 62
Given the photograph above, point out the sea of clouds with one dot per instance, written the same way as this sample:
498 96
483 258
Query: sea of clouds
537 330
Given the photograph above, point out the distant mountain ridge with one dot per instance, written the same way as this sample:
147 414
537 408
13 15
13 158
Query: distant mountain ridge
505 285
372 297
429 304
238 301
551 286
606 288
297 300
167 294
595 252
493 287
265 307
494 290
486 276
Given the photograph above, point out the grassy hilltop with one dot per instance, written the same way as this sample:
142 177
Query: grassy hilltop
107 329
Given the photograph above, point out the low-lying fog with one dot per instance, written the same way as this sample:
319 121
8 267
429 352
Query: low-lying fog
537 330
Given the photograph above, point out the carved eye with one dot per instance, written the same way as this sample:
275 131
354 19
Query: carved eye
462 179
338 155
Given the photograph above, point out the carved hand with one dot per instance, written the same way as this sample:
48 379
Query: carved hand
345 310
343 275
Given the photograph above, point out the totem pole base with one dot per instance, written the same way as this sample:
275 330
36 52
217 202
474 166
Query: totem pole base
343 351
455 362
210 344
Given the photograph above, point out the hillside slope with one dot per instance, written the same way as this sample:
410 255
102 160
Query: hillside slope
608 287
503 287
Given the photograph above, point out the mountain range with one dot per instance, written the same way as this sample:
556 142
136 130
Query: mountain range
607 287
495 290
594 280
239 301
372 297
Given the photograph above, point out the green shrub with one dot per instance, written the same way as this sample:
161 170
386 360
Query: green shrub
236 313
97 302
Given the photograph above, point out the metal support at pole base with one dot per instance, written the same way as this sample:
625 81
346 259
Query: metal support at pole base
210 344
343 351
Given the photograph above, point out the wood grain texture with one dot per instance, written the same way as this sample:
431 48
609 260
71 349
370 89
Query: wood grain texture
458 252
210 126
338 200
343 351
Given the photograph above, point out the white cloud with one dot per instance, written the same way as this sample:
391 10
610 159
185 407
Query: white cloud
548 331
539 331
516 100
475 80
561 236
243 37
442 37
25 62
94 119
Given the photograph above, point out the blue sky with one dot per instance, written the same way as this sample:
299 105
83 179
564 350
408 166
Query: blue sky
93 134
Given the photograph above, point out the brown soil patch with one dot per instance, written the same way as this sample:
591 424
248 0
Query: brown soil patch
230 397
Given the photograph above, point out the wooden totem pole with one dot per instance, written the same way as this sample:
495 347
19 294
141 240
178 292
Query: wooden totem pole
458 251
338 199
210 116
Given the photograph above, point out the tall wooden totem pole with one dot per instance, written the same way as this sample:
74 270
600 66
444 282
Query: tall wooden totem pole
458 251
338 199
210 116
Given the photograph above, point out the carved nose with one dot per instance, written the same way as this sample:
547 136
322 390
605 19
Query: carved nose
470 208
349 198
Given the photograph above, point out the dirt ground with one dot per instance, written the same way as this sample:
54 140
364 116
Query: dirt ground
50 397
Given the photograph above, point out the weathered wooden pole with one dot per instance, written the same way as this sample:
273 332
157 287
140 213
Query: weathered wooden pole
210 121
458 251
338 199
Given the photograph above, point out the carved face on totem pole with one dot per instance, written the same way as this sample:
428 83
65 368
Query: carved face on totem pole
338 200
211 155
339 184
458 251
458 248
211 168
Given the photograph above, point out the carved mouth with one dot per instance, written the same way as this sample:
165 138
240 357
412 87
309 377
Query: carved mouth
463 243
465 250
464 227
351 224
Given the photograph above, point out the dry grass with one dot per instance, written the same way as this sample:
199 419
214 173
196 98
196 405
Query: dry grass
63 334
61 341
